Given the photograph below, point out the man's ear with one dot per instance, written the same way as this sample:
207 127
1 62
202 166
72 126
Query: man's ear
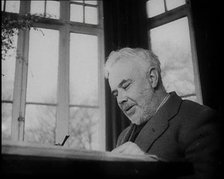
153 77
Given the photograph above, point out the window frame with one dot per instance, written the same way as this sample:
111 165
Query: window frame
172 15
65 27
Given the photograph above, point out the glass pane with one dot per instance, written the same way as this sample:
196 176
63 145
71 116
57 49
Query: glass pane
53 9
37 7
12 6
91 15
6 120
40 122
91 2
76 13
8 71
43 66
171 4
171 42
84 128
155 7
83 69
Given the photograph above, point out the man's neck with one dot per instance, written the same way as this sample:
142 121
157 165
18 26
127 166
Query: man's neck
163 101
161 96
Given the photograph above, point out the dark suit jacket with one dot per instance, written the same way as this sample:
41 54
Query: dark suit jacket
182 130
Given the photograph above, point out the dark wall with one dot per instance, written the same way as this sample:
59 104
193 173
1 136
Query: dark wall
124 26
208 22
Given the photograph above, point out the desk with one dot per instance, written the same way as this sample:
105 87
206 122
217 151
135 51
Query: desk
27 161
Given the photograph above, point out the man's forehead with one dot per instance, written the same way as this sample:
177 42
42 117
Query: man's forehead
120 71
121 68
123 64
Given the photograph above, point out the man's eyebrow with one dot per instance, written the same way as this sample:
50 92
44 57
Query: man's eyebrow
120 85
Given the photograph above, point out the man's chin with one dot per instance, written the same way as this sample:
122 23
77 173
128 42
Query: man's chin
134 120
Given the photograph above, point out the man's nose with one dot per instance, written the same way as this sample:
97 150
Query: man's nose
121 98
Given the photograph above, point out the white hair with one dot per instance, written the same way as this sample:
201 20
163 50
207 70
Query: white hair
145 58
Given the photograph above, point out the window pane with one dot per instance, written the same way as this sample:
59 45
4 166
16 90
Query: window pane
40 124
91 2
91 15
84 128
76 13
6 120
8 71
43 66
155 7
171 4
12 6
171 42
53 9
37 7
83 69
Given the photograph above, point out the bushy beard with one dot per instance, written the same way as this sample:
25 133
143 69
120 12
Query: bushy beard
147 106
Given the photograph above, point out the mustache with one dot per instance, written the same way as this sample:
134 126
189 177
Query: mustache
126 106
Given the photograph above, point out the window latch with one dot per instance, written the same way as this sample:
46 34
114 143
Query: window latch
21 119
66 137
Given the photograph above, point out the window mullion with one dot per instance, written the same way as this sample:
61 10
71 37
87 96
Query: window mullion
24 85
167 17
65 14
100 12
62 121
84 14
165 6
45 8
101 87
194 60
19 93
4 6
17 88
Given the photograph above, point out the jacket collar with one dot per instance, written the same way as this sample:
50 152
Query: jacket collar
155 127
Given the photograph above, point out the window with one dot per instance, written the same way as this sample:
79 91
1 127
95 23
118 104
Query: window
156 7
46 8
84 93
84 11
10 6
53 83
171 38
8 74
41 96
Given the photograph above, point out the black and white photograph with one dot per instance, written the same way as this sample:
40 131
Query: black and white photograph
112 89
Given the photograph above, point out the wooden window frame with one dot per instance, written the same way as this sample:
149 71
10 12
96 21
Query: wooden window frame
172 15
65 27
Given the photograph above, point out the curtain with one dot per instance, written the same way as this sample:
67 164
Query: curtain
125 25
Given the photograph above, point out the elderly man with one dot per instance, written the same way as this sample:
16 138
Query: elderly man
162 124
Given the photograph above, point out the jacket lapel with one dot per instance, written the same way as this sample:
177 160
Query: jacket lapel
159 123
127 134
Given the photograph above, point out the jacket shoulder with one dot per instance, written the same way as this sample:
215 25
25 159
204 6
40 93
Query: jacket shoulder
196 121
196 110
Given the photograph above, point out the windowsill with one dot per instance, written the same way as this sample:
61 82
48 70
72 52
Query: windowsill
26 160
27 149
